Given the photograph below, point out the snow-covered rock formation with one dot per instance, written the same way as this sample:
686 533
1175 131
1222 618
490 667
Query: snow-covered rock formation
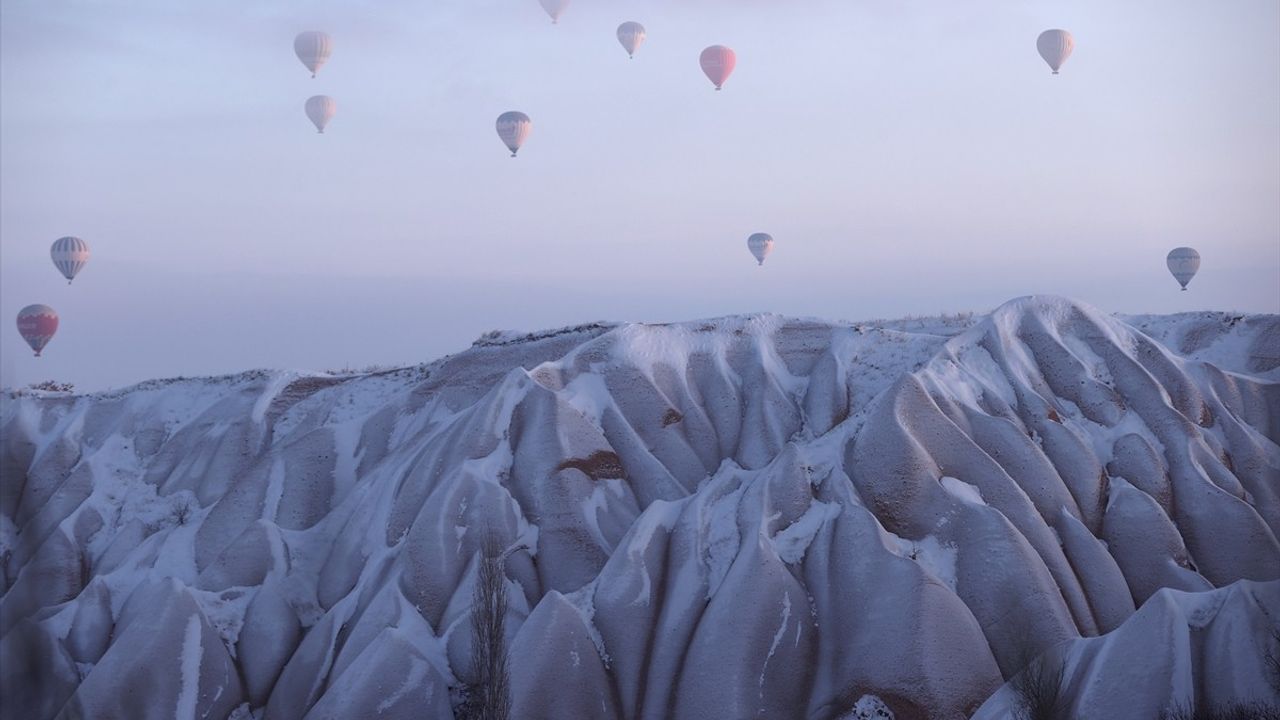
740 518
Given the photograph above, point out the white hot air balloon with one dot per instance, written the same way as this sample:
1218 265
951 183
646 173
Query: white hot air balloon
631 35
320 109
70 254
554 8
760 245
1183 262
514 128
313 49
1055 47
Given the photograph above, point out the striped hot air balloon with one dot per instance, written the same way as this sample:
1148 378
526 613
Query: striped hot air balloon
718 62
36 325
313 48
70 255
1055 47
1183 263
320 110
631 35
514 128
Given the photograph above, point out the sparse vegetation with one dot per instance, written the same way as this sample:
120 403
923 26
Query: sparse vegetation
1230 711
182 511
495 338
1039 688
489 695
53 386
1039 691
366 370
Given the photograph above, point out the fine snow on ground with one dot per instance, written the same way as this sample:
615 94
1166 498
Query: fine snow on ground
748 517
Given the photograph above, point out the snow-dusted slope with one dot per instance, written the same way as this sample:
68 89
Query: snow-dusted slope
1196 651
749 517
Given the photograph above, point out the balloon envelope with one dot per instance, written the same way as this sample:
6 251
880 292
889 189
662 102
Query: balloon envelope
554 8
36 325
313 49
1183 263
631 35
70 254
514 128
1055 47
718 62
320 108
760 245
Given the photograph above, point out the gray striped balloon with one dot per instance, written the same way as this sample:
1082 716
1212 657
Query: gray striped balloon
514 128
1184 263
313 48
70 255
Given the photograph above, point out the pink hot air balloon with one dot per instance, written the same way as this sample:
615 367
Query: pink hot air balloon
718 62
37 324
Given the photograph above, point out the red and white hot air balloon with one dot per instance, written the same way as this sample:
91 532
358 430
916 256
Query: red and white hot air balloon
718 62
36 325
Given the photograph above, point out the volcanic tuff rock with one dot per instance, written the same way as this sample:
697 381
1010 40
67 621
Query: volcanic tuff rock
745 517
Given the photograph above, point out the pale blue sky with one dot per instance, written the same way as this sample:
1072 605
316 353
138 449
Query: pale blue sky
909 157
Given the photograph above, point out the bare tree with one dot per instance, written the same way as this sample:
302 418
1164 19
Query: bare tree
1038 688
489 697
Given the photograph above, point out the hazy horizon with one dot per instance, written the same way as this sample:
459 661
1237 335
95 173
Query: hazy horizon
906 161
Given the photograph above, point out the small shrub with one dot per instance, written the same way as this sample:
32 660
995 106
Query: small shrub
182 511
1038 690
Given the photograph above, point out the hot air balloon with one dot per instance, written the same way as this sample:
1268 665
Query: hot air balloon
1183 262
631 35
718 62
1055 47
313 48
554 8
70 254
514 128
320 108
760 245
37 324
